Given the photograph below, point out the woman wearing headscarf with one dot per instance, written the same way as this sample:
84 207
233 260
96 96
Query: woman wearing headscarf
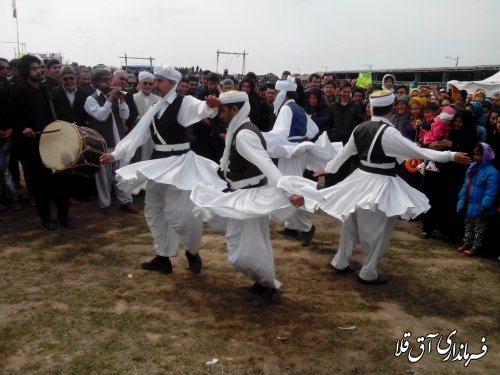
442 187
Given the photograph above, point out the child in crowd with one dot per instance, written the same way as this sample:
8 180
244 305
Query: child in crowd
430 112
477 197
440 129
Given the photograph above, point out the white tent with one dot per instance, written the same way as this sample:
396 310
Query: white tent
491 85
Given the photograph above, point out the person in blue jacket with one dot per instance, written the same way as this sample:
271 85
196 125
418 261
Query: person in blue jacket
477 197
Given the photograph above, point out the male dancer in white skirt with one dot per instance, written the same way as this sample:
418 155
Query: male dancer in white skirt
171 174
291 128
256 189
373 196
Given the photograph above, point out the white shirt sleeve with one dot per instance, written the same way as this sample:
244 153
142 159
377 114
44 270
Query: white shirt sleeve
193 110
96 111
249 146
312 128
348 150
395 145
283 122
125 149
123 110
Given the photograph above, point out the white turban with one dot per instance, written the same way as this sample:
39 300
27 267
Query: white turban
146 75
382 98
238 120
283 86
168 72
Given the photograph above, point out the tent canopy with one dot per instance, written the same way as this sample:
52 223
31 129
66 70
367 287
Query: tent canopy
491 85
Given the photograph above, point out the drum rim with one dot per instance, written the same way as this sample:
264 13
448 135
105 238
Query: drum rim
75 128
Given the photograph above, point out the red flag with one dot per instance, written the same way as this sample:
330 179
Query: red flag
14 11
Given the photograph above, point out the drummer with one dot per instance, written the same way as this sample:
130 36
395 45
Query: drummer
30 111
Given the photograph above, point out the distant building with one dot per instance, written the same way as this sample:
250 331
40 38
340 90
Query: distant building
425 76
48 55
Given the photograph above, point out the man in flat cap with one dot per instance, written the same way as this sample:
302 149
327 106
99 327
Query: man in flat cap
69 99
370 199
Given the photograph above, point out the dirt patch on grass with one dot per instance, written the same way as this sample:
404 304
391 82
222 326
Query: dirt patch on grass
77 302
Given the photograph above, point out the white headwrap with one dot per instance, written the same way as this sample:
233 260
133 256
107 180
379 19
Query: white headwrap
146 75
283 86
382 98
238 120
167 72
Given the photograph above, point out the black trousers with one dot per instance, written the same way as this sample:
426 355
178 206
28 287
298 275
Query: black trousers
47 187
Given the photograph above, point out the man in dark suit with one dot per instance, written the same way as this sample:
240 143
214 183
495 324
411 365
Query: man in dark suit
69 99
69 102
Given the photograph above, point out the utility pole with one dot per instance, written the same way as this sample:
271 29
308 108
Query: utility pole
454 59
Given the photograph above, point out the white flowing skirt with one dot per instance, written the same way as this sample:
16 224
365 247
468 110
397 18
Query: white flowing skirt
371 191
183 171
313 156
252 203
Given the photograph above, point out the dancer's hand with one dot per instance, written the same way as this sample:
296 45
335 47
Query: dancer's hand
212 101
106 158
321 172
296 200
461 158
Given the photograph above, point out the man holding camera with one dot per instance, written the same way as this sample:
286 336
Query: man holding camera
108 112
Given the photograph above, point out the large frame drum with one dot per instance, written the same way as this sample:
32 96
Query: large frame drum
66 147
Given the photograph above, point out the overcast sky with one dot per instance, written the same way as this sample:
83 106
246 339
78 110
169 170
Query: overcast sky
300 36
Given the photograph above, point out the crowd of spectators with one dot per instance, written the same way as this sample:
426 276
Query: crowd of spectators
34 93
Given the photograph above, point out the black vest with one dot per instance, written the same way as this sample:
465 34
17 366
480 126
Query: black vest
239 167
169 129
106 128
363 138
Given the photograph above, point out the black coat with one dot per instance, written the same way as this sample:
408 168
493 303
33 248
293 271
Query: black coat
23 113
72 114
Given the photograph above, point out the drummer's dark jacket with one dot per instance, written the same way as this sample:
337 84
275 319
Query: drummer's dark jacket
29 108
105 128
71 113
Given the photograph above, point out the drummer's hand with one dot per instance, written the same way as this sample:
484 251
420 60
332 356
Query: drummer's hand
212 101
7 133
28 132
321 172
106 158
461 158
296 200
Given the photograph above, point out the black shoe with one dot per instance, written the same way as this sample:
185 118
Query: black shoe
289 232
194 262
127 207
307 236
48 225
424 235
348 269
378 281
106 210
158 263
67 222
15 206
